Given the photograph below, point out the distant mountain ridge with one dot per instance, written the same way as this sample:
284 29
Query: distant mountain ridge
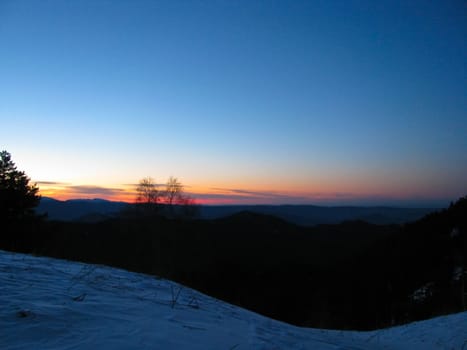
307 215
79 209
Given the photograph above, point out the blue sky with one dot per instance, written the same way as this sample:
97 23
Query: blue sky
314 101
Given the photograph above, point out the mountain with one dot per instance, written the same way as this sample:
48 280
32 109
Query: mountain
56 304
309 215
352 275
90 210
93 210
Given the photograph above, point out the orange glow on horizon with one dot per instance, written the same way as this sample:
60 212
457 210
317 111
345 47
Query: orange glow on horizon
70 192
215 195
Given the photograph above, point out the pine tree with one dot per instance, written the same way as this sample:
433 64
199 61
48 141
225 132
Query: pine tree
18 197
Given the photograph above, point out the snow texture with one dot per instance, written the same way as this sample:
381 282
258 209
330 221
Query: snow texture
54 304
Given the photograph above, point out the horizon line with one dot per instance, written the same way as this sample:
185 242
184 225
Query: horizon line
397 203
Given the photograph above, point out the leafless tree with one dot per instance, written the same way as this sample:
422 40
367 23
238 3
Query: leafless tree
176 203
147 192
173 190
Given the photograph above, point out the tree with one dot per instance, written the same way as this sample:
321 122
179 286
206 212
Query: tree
147 194
18 197
179 204
173 190
175 203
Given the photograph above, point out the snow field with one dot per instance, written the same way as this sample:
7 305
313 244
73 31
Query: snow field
55 304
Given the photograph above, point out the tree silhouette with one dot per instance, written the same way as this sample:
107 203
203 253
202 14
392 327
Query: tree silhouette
173 190
147 194
179 204
18 197
170 202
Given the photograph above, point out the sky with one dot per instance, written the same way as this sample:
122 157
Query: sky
258 102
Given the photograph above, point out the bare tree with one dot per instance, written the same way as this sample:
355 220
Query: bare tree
147 193
176 203
173 190
179 204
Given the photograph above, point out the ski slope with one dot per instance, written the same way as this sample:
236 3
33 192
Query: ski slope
54 304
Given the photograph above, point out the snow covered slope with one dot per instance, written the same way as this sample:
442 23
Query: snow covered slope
54 304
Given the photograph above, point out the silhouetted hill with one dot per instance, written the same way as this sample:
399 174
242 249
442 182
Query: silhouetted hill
309 215
349 275
426 260
90 210
256 220
94 210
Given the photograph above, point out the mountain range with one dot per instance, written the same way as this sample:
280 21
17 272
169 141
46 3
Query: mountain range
94 210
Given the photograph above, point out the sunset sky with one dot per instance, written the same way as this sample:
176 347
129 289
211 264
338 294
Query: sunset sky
317 102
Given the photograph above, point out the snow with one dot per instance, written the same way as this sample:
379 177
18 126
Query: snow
54 304
423 292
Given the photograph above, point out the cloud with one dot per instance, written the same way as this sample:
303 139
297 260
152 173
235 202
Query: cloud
61 190
95 191
51 183
217 195
134 185
240 192
240 196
